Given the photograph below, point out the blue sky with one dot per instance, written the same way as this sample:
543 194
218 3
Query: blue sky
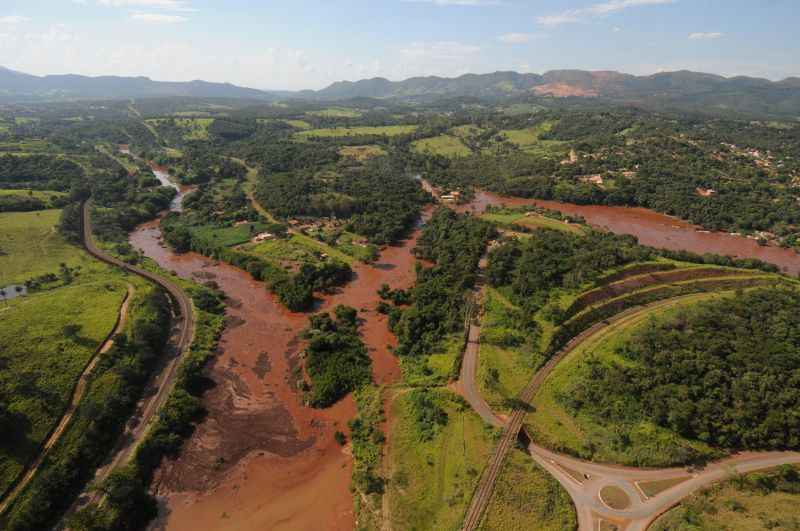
295 44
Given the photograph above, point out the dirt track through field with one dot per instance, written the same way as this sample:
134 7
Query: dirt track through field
77 395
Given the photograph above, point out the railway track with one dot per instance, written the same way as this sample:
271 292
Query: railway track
163 382
483 494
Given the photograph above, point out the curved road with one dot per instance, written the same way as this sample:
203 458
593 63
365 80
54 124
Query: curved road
164 381
584 480
77 395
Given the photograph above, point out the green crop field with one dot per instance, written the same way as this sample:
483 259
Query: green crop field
432 481
444 145
526 498
553 426
757 502
336 112
386 130
30 245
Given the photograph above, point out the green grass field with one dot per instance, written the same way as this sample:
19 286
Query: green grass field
336 112
503 369
193 128
228 236
529 140
44 195
528 498
645 443
297 249
32 246
387 130
444 145
735 505
41 363
432 481
531 220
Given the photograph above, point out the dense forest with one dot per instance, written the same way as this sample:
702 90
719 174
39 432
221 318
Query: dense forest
336 359
39 172
378 199
726 372
455 244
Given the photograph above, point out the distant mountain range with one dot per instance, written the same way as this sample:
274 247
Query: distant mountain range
17 86
681 90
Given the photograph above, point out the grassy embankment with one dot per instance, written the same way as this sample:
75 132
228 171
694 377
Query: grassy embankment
756 502
649 445
434 470
527 497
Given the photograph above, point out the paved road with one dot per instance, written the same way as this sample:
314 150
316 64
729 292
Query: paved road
77 395
163 382
584 480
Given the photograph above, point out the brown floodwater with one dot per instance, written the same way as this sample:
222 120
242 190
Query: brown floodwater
260 459
653 229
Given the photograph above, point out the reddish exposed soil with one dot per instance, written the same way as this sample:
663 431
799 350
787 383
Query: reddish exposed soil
654 229
261 460
563 90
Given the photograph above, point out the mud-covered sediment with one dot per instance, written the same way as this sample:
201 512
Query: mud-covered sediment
261 460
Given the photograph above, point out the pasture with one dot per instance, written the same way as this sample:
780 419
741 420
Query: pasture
444 145
30 245
334 132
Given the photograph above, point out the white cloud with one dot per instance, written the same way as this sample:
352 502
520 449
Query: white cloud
169 5
13 19
158 18
515 38
596 10
705 36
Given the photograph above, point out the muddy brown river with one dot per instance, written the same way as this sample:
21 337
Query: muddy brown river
262 460
654 229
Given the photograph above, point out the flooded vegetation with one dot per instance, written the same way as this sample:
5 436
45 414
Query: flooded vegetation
261 456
